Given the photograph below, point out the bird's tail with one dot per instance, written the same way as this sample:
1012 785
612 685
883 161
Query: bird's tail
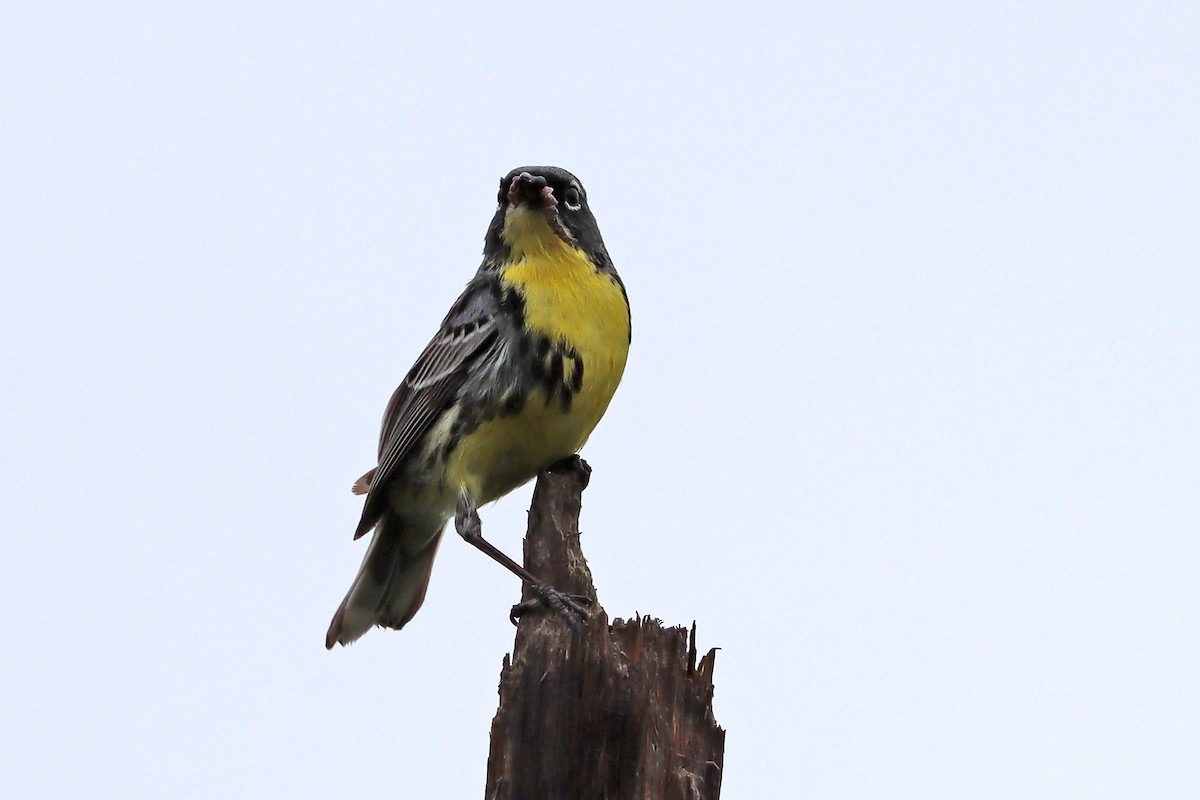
391 582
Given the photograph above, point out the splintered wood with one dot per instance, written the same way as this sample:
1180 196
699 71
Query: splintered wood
620 711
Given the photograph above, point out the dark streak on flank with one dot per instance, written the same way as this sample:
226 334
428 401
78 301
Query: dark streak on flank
513 405
548 370
554 373
577 373
512 303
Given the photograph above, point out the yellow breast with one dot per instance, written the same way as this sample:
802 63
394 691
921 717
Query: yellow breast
568 301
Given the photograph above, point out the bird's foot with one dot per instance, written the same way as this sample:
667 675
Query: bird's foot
572 606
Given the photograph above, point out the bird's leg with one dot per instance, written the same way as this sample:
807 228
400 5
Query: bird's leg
469 527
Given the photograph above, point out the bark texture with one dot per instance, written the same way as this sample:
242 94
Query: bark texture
620 711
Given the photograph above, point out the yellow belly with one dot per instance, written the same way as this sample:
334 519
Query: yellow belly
504 453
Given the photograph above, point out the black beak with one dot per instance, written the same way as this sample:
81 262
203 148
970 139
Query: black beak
531 189
534 193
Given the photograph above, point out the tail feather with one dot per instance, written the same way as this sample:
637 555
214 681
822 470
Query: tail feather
390 585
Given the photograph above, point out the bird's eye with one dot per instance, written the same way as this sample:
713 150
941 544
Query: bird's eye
572 199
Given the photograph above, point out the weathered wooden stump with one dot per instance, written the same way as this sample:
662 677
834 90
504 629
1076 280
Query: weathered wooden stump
616 711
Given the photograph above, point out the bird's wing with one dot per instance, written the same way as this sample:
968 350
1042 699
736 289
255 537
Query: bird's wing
470 334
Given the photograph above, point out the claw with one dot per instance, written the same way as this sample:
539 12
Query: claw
571 606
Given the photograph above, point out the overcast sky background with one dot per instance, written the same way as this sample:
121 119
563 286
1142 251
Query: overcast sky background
909 425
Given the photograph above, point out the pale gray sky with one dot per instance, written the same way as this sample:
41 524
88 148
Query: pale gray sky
909 425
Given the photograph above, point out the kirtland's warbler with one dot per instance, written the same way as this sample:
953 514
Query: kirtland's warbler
518 375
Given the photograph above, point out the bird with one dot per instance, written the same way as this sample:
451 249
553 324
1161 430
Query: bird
517 376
